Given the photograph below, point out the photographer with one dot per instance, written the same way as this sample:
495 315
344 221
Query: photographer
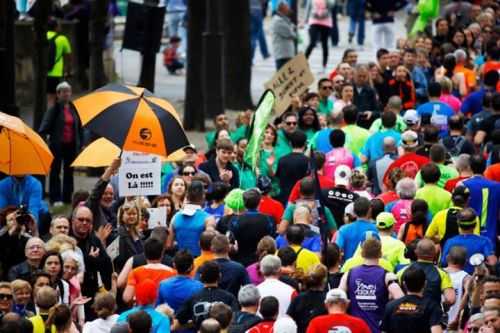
14 235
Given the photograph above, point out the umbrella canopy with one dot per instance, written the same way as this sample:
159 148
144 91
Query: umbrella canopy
133 119
101 153
22 150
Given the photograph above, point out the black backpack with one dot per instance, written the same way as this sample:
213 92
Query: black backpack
52 59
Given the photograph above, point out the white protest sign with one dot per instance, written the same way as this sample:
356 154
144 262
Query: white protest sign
157 217
139 174
291 80
113 249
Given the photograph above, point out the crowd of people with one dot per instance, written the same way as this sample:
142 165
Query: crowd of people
373 207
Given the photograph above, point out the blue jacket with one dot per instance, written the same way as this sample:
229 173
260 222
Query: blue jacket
27 192
420 82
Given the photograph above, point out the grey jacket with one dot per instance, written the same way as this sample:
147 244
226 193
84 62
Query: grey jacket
283 37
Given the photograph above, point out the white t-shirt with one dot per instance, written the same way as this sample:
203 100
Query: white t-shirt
282 291
100 325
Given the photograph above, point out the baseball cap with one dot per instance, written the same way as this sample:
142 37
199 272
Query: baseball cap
385 220
285 324
192 147
370 235
349 209
336 294
409 139
234 199
411 117
343 175
264 184
461 191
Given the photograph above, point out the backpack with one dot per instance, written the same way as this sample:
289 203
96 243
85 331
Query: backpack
451 225
52 59
410 168
336 157
454 145
402 212
412 232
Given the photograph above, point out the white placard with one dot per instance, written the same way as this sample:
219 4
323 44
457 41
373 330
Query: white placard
157 217
139 174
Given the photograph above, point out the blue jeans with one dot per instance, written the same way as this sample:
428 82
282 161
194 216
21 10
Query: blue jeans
257 34
360 22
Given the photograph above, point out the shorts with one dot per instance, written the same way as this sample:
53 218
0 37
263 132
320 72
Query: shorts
52 83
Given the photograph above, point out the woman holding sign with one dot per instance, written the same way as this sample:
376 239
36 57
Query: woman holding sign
130 239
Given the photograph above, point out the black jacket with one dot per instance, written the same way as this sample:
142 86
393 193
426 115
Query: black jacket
102 215
53 126
127 248
23 271
366 100
210 168
101 264
12 251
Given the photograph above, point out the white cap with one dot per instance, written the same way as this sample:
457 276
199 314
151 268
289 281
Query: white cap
285 324
343 175
411 117
336 294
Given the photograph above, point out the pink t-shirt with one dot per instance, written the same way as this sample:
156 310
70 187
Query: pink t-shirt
452 101
320 13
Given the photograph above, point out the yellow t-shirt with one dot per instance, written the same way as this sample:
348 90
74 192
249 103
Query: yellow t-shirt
358 261
305 259
63 47
437 228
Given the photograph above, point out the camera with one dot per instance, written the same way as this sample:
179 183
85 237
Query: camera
23 217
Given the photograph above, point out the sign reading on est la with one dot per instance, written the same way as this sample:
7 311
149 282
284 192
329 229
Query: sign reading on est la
291 80
139 174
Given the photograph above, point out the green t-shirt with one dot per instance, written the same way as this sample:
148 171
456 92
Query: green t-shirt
63 47
437 199
264 170
325 107
238 133
310 134
247 176
447 173
356 138
290 209
377 125
283 146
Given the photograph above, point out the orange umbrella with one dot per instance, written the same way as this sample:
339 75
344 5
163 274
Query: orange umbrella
101 153
22 150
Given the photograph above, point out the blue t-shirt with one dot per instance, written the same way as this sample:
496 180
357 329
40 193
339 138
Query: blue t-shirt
310 243
161 323
176 290
473 244
350 236
322 140
188 229
374 147
485 199
436 113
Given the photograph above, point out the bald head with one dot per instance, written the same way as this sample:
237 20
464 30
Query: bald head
389 144
426 249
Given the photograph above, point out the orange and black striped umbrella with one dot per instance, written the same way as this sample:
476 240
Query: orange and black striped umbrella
133 119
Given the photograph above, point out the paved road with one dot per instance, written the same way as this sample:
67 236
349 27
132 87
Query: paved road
172 87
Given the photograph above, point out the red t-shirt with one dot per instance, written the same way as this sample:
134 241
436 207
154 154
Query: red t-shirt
452 183
68 132
338 322
272 208
324 183
410 163
262 327
388 197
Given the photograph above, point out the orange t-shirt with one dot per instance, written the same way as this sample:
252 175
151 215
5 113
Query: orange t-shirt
155 272
493 172
203 258
470 76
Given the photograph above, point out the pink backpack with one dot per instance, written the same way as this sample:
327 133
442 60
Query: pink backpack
402 212
336 157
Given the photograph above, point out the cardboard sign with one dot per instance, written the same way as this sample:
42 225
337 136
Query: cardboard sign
157 217
113 249
139 174
291 80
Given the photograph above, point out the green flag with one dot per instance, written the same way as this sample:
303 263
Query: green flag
427 10
259 123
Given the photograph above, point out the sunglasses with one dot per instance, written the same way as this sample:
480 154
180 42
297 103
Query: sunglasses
6 296
291 123
327 87
187 173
